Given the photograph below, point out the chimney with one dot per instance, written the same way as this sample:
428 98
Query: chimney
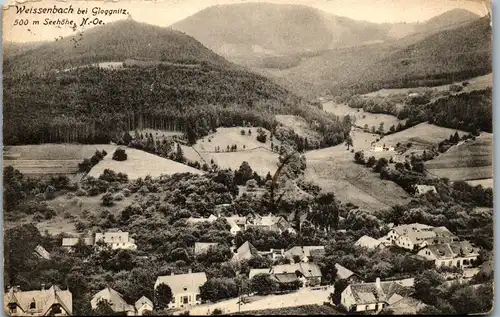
377 283
43 287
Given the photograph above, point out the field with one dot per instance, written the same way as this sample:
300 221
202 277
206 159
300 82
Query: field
299 125
225 137
45 160
422 136
476 83
362 117
139 164
471 160
334 169
487 183
261 160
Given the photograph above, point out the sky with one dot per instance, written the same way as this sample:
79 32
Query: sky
18 27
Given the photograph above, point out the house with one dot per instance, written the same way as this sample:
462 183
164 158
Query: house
275 223
45 302
143 305
368 242
192 220
202 247
458 254
416 236
185 288
346 274
388 148
237 223
70 242
424 189
376 148
245 252
310 271
303 252
41 253
273 254
115 299
366 297
116 240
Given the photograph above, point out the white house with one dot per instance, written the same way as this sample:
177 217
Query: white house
41 253
376 148
373 296
424 189
142 305
116 240
185 288
416 236
458 254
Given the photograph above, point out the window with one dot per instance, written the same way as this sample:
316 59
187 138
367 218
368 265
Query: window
198 297
33 305
185 300
56 309
12 308
173 300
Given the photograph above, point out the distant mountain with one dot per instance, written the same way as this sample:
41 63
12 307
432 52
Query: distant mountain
275 29
183 86
115 41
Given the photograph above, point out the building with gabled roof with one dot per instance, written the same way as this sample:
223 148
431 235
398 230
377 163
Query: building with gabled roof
143 305
45 302
346 274
185 288
459 254
270 222
193 220
416 236
368 242
310 271
303 252
245 252
375 296
424 189
41 253
116 239
115 299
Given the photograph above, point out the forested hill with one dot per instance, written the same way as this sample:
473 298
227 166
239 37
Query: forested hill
91 105
113 42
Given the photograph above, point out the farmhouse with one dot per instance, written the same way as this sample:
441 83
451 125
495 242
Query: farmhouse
202 247
424 189
115 299
373 296
116 240
185 288
274 223
458 254
368 242
346 274
45 302
143 305
245 252
416 236
310 271
303 252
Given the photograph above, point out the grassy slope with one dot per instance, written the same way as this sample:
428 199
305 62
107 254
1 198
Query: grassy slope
471 160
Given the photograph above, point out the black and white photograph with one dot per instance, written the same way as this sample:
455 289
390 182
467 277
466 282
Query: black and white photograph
241 157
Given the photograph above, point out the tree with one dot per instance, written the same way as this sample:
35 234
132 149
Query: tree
348 142
107 200
216 289
381 163
359 157
392 129
426 284
163 296
371 161
263 284
261 135
242 132
127 138
374 129
179 154
119 155
103 308
339 286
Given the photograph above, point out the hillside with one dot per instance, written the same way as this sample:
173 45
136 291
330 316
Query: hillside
193 90
115 41
274 29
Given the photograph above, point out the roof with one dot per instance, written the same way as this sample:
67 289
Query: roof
422 189
118 304
193 220
112 236
233 223
416 232
286 277
342 272
307 269
446 251
69 242
41 252
367 242
201 247
246 251
368 293
44 299
143 301
180 283
254 272
237 219
303 251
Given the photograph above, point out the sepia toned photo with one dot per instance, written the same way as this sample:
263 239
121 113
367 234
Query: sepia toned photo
239 157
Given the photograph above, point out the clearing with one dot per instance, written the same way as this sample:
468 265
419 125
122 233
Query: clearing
225 137
299 125
486 183
333 169
469 160
422 136
362 118
140 164
260 160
